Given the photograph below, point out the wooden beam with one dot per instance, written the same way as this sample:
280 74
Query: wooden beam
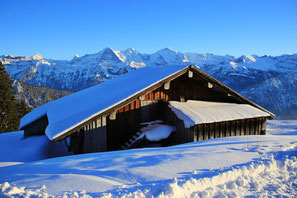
113 115
167 85
103 121
210 85
190 74
181 98
98 122
142 97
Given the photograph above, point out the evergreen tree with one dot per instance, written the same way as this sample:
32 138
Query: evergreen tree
22 108
9 118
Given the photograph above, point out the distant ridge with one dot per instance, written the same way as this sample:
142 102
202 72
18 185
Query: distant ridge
241 73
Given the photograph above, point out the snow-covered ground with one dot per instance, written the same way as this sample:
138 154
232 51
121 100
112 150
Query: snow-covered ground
17 150
257 166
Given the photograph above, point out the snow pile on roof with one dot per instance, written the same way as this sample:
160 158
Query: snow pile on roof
195 112
156 132
72 110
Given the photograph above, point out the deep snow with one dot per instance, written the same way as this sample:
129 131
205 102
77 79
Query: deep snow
17 150
241 166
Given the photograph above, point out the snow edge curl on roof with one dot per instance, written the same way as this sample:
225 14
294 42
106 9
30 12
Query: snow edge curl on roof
195 112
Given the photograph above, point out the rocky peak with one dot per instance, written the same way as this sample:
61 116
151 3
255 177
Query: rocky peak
37 56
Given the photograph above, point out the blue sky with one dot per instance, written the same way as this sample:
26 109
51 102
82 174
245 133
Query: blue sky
61 28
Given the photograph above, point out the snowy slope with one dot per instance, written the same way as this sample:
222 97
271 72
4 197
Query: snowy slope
16 149
244 166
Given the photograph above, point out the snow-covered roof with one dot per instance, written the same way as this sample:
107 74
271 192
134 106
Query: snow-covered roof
195 112
67 114
70 111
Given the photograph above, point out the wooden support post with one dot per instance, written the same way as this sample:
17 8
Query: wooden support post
142 97
200 132
263 128
167 85
190 74
195 133
245 127
113 115
98 122
204 132
103 121
182 98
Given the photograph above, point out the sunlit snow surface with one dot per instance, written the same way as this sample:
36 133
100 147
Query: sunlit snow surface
17 150
195 112
235 167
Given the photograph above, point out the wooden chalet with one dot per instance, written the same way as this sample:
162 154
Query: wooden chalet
113 117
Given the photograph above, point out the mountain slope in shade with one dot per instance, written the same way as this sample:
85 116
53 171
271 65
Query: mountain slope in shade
277 94
36 96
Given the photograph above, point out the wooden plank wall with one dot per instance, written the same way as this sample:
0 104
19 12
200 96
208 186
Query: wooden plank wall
90 138
129 118
95 137
252 126
195 88
124 126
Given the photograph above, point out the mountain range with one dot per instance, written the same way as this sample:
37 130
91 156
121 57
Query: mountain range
269 81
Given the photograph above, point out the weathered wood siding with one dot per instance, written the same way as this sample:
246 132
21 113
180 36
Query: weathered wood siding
129 118
90 138
95 137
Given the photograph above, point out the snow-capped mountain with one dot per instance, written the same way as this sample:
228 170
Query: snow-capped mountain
84 71
279 94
